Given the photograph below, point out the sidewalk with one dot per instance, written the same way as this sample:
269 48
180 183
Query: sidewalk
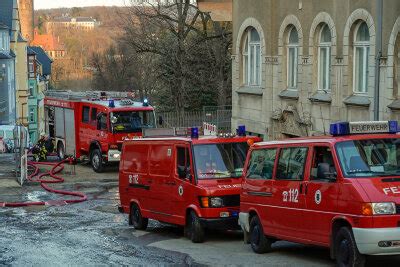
7 174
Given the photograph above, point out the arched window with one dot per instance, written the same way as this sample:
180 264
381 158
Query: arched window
292 55
361 55
324 59
396 67
251 51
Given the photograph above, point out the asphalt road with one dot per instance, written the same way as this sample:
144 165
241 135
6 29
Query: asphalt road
94 233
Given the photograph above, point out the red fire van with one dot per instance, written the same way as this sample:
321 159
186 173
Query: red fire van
190 181
340 191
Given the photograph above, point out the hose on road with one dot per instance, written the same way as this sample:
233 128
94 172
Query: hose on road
57 167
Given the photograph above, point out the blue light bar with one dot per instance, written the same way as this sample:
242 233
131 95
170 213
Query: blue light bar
145 102
241 130
111 103
363 127
194 132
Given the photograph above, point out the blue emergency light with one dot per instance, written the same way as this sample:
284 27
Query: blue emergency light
241 130
194 132
111 103
363 127
145 102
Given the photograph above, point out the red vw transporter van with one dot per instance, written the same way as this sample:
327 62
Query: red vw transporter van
190 181
340 191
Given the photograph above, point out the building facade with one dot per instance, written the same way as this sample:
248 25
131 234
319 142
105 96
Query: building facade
7 77
39 67
299 65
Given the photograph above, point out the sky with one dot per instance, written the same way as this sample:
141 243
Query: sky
44 4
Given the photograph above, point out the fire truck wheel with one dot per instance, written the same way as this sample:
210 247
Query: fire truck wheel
346 250
259 242
60 150
193 228
96 159
136 219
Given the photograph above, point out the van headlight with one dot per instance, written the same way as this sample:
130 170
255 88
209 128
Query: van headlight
383 208
216 202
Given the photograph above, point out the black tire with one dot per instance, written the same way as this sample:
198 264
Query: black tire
60 151
346 251
96 160
136 219
193 229
259 242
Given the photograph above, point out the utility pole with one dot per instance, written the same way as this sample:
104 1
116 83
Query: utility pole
378 55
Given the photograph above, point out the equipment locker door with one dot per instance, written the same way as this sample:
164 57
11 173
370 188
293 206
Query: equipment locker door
70 145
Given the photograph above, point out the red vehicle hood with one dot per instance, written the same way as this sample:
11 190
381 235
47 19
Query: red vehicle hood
221 187
383 189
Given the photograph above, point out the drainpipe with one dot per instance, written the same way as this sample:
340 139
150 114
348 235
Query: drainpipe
378 53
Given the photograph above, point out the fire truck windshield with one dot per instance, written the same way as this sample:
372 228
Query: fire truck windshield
132 121
369 158
223 160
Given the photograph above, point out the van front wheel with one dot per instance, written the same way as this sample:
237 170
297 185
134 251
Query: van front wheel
259 242
136 219
346 250
193 228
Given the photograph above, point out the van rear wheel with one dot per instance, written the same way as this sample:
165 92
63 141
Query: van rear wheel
346 250
259 242
136 219
193 229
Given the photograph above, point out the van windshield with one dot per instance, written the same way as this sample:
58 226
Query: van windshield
216 161
132 121
369 158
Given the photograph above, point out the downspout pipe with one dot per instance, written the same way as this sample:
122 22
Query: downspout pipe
378 54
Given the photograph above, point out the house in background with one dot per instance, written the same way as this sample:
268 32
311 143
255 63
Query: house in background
71 23
39 67
51 44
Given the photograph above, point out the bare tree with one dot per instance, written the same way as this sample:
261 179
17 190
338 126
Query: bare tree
190 52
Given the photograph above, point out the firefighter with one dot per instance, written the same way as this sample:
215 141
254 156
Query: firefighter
42 148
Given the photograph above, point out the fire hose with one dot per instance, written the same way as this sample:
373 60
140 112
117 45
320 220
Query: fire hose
36 177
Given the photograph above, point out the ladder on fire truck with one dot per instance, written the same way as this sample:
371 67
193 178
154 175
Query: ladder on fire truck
72 95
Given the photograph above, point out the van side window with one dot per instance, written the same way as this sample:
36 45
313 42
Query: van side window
323 166
85 114
261 164
291 163
182 162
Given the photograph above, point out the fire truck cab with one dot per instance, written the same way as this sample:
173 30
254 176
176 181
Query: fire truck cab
340 191
93 126
189 181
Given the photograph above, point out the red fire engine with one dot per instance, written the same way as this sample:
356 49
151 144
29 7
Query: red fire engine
93 125
190 181
340 191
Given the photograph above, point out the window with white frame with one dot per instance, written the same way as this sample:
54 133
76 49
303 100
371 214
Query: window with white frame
324 59
292 58
251 52
361 55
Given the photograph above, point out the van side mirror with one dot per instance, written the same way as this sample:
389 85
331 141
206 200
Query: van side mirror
324 171
160 120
